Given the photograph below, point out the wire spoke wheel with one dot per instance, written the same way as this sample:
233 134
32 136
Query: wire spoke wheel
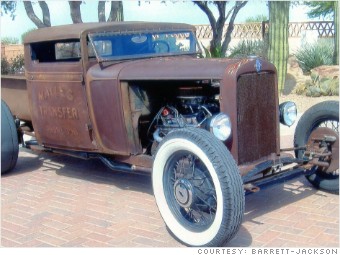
329 128
198 188
321 121
191 191
332 124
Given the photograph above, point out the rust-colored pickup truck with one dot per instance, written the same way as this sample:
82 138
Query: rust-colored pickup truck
140 97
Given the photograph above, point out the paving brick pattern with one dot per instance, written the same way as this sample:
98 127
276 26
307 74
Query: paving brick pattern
59 201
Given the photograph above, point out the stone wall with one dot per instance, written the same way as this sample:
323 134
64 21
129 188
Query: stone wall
11 51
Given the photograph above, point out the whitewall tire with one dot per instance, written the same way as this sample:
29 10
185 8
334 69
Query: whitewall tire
198 188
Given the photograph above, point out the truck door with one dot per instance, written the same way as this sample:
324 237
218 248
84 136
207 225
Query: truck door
57 95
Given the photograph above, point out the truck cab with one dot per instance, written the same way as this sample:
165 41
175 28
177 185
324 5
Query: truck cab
140 97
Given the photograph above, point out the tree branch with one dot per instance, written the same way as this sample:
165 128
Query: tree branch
116 13
31 14
9 7
46 13
238 6
75 11
203 6
221 9
221 5
101 11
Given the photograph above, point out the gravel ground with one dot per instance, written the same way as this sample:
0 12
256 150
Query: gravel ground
303 103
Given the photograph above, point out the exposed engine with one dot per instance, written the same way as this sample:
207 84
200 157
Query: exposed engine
189 110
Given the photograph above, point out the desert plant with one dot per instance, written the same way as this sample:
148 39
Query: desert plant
317 86
313 55
278 48
248 48
216 53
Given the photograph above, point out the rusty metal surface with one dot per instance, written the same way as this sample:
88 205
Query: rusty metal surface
228 71
75 31
167 68
110 112
107 115
256 111
246 168
330 160
228 99
59 106
114 123
14 93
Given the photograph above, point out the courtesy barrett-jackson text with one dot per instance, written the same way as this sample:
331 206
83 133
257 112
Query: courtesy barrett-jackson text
268 251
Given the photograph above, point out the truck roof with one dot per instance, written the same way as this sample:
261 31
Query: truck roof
75 31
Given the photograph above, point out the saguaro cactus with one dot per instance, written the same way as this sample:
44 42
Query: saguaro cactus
336 34
278 38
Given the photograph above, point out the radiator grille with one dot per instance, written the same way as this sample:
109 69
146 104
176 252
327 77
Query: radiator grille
256 116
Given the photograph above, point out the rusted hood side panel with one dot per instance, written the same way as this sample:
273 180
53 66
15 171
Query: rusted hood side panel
186 68
169 68
106 112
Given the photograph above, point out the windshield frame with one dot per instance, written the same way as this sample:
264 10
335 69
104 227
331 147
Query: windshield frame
192 41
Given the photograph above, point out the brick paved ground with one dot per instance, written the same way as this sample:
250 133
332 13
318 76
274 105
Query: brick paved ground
54 200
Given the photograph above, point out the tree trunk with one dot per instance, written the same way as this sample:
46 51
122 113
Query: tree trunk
33 17
46 13
116 13
278 39
227 38
214 43
336 34
101 11
75 11
217 49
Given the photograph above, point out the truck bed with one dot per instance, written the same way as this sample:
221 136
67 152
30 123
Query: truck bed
14 93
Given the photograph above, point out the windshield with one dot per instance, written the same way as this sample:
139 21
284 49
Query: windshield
115 46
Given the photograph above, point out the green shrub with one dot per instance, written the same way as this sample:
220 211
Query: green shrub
9 40
14 66
256 19
316 87
207 53
5 66
248 48
17 65
313 55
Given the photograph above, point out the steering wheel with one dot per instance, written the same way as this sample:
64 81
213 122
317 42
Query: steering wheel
160 46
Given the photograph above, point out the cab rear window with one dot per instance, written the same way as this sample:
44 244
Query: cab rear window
55 51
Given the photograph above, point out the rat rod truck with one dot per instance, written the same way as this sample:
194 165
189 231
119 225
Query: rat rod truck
140 97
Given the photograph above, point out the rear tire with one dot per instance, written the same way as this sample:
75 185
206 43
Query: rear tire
325 115
198 188
9 140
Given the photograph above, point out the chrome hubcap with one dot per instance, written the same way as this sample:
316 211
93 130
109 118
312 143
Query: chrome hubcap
184 192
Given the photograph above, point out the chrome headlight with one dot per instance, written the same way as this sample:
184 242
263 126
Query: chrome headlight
220 126
288 113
